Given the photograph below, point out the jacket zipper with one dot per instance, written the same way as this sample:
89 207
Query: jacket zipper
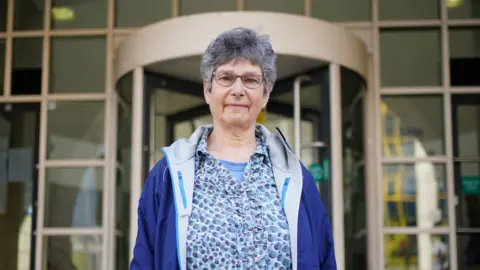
182 189
284 191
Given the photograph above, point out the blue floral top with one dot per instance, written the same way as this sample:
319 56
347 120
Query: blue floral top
236 224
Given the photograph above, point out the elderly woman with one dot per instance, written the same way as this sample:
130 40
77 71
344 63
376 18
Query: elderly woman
233 196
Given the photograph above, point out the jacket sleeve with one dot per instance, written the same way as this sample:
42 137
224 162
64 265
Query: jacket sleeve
147 222
321 226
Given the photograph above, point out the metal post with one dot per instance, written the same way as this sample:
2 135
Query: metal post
137 153
370 165
297 115
336 163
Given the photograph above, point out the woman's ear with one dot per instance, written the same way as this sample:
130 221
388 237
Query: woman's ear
206 92
268 90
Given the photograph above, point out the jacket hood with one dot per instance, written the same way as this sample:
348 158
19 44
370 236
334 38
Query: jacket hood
280 153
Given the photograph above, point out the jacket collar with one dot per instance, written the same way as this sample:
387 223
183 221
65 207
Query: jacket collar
280 153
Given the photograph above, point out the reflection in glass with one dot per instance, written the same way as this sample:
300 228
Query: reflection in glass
410 57
412 126
77 64
422 251
27 66
193 6
341 10
81 14
2 63
284 6
3 16
73 197
28 15
122 191
463 9
75 130
82 252
467 251
354 193
171 121
468 130
409 10
467 189
138 13
464 49
19 128
415 195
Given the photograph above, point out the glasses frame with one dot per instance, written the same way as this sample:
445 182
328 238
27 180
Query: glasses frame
214 77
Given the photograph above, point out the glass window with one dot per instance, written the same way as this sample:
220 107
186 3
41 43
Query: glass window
285 6
79 14
136 13
341 10
412 126
419 197
423 251
77 64
409 10
460 9
467 188
73 197
19 129
410 57
3 15
27 66
467 128
194 6
464 42
83 252
75 130
464 56
28 15
2 63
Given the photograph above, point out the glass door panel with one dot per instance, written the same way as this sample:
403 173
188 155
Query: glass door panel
352 86
174 115
466 146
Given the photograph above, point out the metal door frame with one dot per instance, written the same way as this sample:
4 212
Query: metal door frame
145 82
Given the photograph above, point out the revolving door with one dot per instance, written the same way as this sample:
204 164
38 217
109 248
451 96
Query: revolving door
317 103
328 139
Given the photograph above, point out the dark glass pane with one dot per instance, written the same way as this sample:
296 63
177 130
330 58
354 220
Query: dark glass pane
28 14
79 14
342 10
138 13
194 6
27 66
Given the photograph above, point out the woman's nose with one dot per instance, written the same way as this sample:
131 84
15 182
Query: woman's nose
238 88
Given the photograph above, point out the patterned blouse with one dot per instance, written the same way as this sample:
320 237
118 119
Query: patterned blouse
236 224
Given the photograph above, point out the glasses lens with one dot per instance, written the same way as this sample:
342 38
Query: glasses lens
225 79
252 81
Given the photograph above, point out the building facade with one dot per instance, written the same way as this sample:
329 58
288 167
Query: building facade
387 119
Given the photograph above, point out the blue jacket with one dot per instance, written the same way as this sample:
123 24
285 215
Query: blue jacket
165 205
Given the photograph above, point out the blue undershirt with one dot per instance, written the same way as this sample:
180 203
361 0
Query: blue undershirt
236 169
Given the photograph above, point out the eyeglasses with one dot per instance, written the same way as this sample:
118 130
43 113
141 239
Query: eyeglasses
251 81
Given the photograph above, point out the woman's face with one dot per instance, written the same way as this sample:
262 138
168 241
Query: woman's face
237 95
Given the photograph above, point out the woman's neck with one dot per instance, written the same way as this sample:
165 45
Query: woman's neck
232 144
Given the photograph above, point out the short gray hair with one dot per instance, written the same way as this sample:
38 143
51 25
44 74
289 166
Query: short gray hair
239 43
